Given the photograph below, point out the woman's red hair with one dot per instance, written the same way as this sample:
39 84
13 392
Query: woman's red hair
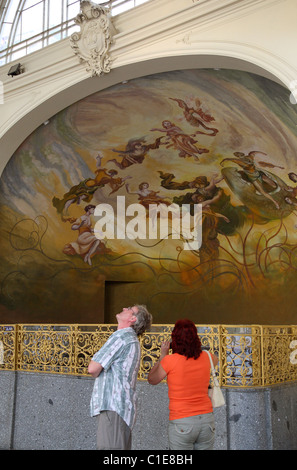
185 340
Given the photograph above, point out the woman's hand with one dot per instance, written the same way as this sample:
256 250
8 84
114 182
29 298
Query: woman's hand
157 373
165 346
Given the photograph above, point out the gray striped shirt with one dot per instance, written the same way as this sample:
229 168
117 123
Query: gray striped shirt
114 389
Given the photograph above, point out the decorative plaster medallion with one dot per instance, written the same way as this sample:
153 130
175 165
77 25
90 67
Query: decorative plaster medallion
92 43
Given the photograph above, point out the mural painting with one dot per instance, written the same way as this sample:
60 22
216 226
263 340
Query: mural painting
220 138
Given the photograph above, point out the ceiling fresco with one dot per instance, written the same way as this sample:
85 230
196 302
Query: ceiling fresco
220 138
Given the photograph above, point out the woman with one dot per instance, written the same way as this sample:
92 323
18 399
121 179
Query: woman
87 244
191 421
182 142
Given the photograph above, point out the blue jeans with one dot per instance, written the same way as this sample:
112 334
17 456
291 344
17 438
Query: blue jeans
192 433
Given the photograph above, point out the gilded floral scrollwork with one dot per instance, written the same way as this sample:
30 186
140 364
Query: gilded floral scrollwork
248 355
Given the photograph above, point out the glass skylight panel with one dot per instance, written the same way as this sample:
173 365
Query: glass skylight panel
23 20
32 21
55 13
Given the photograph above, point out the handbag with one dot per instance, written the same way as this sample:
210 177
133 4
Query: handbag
215 392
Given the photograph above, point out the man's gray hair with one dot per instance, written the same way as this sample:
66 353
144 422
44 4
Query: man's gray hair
144 320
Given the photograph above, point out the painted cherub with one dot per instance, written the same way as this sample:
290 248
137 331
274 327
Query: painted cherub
147 196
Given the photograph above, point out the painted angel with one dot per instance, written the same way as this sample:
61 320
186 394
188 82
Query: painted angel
178 139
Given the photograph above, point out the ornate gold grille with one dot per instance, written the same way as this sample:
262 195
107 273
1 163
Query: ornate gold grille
248 355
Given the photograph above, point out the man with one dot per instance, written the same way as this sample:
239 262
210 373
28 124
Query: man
115 367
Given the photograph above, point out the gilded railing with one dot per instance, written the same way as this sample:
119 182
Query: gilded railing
249 356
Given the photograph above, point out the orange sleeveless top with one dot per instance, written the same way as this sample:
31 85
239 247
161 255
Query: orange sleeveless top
188 381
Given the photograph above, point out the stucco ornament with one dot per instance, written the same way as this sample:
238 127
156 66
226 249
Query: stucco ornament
92 43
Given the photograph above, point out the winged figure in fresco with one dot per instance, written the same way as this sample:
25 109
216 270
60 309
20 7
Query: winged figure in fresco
199 183
178 139
253 174
85 190
196 116
168 182
209 194
218 214
147 196
135 152
262 192
151 200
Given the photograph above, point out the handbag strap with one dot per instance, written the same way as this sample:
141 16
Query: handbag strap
212 369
